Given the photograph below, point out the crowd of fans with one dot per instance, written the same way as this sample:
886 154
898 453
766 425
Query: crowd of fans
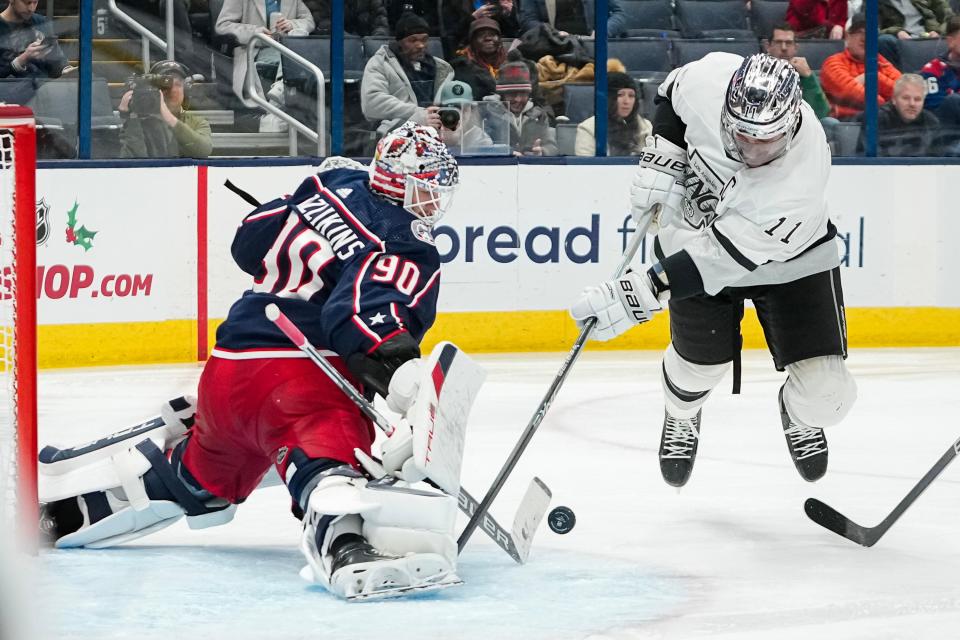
491 74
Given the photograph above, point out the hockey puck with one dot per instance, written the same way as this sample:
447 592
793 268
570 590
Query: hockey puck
561 520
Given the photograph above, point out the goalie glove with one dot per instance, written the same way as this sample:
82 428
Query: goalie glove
396 455
659 180
375 369
617 305
397 450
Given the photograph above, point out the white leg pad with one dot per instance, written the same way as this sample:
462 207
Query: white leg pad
415 525
819 392
124 525
111 461
688 378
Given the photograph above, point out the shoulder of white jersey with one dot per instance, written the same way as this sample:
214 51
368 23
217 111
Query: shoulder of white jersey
717 64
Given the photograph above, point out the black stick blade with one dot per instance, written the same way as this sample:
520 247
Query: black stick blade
829 518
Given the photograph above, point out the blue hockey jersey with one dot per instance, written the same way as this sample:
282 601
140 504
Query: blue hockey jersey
346 266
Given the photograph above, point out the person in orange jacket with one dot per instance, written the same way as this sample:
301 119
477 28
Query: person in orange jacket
842 74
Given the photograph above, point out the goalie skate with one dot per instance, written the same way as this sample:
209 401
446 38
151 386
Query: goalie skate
361 572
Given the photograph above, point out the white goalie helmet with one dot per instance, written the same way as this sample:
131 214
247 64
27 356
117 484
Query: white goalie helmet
413 168
761 110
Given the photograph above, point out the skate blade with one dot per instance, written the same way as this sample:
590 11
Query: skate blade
399 592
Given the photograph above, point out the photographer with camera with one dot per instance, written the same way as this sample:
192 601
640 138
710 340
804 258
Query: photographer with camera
155 122
27 47
461 127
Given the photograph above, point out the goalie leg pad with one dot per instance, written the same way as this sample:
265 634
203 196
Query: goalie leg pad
819 392
686 385
406 535
141 503
438 417
104 463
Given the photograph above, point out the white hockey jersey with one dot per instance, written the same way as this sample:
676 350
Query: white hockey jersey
745 226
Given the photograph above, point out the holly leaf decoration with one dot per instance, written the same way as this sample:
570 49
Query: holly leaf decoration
72 215
84 238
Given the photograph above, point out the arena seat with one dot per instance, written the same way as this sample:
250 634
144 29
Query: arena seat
649 14
916 53
764 14
689 50
641 56
696 16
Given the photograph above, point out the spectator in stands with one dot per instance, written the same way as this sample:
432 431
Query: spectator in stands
530 130
244 18
782 44
574 17
27 47
943 87
909 19
627 130
461 127
156 123
477 63
360 17
817 18
459 16
842 75
401 79
904 127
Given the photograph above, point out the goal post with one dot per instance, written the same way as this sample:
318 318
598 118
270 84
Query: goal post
18 321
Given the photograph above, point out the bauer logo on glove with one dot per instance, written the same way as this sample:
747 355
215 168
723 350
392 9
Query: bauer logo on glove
667 163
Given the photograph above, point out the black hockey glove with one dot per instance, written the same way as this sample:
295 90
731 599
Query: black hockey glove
375 369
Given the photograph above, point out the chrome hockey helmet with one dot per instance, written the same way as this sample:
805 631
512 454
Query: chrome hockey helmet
413 168
761 110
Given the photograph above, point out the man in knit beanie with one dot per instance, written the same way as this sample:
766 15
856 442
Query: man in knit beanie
530 130
401 80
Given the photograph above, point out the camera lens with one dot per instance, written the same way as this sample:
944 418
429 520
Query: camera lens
450 118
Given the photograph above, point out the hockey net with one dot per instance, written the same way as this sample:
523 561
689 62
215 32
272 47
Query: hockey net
18 402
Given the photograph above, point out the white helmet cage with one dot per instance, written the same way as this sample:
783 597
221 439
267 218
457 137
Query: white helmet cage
413 168
761 110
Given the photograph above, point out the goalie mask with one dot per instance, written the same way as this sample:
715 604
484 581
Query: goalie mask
761 110
413 168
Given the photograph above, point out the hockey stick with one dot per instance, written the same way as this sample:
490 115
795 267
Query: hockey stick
551 394
828 517
465 501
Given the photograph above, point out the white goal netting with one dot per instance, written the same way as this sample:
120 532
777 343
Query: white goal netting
8 314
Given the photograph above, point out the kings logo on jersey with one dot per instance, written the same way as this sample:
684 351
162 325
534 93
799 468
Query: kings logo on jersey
701 184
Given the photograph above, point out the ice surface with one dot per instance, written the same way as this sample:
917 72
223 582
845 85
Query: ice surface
731 555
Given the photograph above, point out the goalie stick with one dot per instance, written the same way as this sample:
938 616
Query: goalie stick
533 505
829 518
551 394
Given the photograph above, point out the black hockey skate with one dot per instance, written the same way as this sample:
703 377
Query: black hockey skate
58 519
361 572
678 448
355 550
807 445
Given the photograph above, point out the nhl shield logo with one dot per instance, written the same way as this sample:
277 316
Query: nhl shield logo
43 221
422 231
282 454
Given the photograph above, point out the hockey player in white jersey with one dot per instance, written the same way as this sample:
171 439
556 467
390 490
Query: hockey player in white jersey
735 176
